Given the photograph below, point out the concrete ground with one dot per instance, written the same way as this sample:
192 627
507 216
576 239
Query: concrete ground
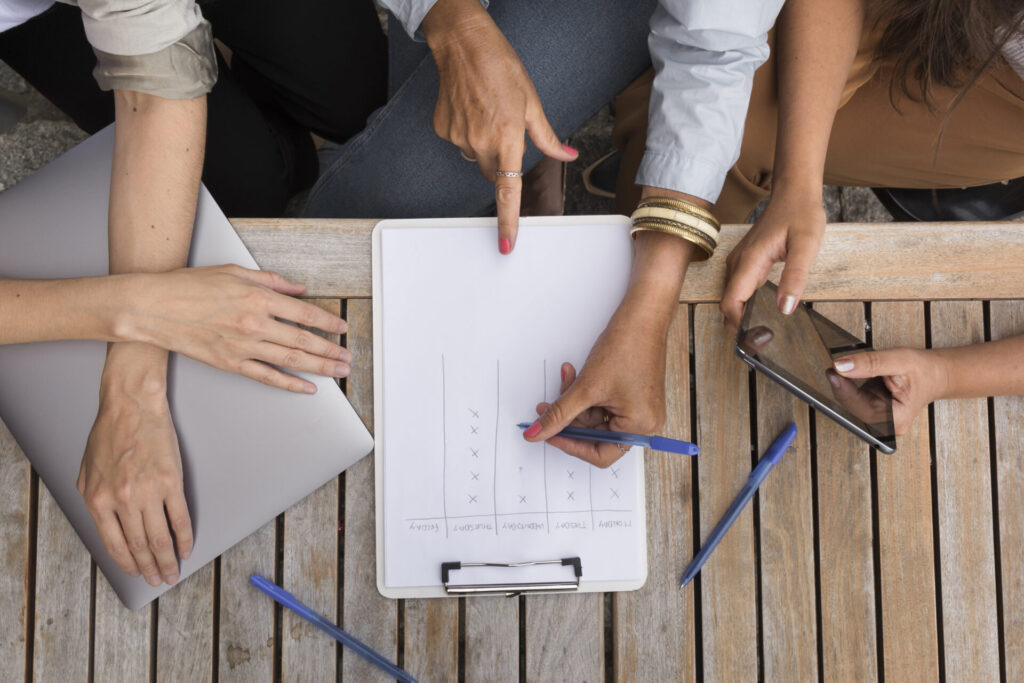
34 132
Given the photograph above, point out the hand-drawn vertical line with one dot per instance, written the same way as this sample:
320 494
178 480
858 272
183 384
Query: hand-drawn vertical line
590 494
544 393
444 447
497 422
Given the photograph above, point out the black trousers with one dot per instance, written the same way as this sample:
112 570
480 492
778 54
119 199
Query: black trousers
299 66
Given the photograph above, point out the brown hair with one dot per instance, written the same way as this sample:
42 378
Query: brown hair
934 43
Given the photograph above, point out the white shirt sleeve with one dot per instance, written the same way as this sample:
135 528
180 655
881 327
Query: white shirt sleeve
411 13
705 53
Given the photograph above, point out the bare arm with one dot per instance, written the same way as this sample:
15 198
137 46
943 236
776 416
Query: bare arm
816 43
41 310
131 475
991 369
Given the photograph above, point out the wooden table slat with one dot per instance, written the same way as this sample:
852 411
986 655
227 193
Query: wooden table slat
311 573
366 614
1007 319
432 639
565 637
786 509
964 477
845 538
121 644
246 651
907 558
727 581
332 258
15 482
492 638
184 650
63 577
660 606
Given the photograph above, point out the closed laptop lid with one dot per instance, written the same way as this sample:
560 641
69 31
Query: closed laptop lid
248 451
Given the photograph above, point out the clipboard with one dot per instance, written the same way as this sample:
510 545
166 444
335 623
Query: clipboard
529 561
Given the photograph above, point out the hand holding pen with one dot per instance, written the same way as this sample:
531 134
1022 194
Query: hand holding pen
577 408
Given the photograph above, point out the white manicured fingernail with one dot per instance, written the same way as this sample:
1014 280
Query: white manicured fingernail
788 305
833 379
762 337
309 389
843 365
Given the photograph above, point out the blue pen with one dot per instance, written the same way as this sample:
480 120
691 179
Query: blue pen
360 648
761 470
656 443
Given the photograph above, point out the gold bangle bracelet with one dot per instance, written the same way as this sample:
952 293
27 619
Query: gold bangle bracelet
675 229
673 216
669 224
706 247
679 205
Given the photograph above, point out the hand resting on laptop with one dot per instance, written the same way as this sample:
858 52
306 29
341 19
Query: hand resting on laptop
228 317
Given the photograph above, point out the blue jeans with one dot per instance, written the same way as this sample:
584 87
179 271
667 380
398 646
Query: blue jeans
579 54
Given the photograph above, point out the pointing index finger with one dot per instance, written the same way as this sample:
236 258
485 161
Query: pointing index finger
508 190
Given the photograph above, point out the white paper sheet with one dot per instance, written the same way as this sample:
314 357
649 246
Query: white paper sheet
471 342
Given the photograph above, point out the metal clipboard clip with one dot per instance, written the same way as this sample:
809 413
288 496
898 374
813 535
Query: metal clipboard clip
511 589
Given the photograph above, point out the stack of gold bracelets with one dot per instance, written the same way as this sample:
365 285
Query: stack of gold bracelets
680 218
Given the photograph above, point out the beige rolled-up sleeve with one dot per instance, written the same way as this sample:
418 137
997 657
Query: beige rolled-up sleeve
157 47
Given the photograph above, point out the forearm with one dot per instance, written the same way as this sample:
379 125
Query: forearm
816 43
660 262
158 160
51 310
990 369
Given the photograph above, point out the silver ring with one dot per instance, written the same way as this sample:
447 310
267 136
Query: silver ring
470 159
623 448
509 174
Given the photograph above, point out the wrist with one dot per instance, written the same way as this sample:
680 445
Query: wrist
450 20
135 369
126 291
942 366
659 266
801 187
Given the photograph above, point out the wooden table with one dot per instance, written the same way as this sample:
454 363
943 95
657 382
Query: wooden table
849 565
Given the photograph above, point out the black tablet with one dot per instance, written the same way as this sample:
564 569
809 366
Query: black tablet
797 352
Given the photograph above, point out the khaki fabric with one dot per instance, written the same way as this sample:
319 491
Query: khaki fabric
183 70
979 141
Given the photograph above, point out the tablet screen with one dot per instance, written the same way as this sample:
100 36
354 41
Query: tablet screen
798 351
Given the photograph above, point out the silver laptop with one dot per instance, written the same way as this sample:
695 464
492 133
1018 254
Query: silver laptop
249 451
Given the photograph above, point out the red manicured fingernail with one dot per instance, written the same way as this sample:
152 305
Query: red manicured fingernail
533 430
504 246
569 150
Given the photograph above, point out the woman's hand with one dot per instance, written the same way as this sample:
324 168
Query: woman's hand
131 476
486 103
231 318
622 384
624 392
914 377
790 230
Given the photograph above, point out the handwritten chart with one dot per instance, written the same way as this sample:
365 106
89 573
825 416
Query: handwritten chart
469 343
